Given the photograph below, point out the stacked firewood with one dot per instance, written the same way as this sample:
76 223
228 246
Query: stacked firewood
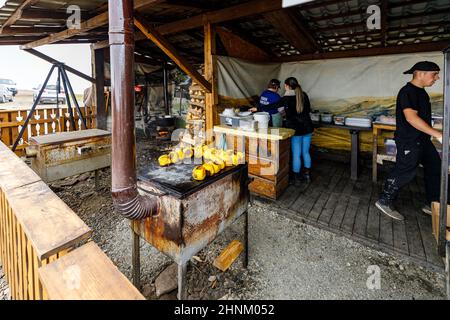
196 116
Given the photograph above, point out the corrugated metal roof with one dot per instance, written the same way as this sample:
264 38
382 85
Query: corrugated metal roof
333 25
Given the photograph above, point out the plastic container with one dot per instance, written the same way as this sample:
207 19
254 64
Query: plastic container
233 121
437 121
248 125
326 117
229 120
315 116
263 119
339 120
277 120
261 116
263 124
358 122
391 148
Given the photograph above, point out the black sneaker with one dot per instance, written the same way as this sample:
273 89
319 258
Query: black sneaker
388 209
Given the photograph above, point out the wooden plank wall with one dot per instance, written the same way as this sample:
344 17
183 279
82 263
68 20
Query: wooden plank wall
44 121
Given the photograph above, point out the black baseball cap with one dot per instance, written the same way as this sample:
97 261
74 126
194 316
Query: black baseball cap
274 82
423 66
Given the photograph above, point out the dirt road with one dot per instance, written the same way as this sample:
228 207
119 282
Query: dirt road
24 100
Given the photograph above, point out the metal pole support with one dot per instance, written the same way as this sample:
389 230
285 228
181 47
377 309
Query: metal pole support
182 290
136 259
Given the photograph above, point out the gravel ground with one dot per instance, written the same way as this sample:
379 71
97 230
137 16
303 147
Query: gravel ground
287 259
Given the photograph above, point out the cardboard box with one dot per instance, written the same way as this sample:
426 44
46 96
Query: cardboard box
435 206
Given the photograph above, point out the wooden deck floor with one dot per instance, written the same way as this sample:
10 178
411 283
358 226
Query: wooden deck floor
334 202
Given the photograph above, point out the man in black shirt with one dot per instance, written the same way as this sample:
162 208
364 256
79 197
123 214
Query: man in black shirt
413 140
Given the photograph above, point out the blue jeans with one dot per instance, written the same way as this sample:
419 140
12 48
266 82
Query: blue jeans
300 148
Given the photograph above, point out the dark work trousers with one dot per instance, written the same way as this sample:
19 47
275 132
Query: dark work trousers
409 156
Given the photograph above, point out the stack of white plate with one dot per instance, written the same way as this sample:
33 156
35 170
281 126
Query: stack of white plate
229 112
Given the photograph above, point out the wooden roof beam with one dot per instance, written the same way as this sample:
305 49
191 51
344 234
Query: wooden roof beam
68 68
85 26
45 14
92 23
240 48
142 4
191 4
29 30
16 15
170 51
231 13
295 32
248 37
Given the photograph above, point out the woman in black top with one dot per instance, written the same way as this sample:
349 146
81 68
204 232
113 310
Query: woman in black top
297 107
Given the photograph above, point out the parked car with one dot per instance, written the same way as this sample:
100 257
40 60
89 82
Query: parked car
5 94
49 94
11 85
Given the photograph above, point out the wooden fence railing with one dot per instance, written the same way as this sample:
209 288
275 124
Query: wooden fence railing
37 229
44 121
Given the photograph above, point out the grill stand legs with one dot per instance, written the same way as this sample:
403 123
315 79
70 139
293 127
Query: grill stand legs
246 239
182 268
136 257
97 180
182 281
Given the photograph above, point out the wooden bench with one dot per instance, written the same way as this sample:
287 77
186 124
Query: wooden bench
86 273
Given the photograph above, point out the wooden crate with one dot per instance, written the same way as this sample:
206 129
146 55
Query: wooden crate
435 207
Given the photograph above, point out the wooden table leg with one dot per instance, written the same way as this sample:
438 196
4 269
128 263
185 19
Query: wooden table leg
354 154
374 156
182 281
246 239
136 258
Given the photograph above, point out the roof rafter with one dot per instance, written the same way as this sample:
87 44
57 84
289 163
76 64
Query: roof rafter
231 13
170 51
92 23
16 15
293 30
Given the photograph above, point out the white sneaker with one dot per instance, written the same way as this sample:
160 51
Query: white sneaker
427 209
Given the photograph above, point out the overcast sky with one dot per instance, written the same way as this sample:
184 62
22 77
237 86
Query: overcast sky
28 71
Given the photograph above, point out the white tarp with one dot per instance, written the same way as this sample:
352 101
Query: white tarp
348 86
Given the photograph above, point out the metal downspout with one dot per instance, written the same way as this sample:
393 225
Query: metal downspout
125 196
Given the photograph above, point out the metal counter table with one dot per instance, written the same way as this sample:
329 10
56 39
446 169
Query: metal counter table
354 132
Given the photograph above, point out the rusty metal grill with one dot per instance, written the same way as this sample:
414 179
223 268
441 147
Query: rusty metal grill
192 214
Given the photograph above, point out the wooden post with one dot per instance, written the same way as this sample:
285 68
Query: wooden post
99 74
211 99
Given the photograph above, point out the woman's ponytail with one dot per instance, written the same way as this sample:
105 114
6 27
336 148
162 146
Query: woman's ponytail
293 85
